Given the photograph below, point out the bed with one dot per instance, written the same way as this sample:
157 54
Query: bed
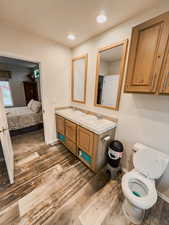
24 117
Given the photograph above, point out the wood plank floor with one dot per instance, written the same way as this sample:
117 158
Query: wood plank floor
52 187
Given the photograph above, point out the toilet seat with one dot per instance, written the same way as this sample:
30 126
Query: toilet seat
144 202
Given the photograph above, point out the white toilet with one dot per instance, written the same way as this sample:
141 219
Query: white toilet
138 185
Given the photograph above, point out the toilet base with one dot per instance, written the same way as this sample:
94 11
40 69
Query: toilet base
133 213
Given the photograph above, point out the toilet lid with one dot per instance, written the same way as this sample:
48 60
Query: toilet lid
149 162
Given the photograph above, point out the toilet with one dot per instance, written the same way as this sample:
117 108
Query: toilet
138 185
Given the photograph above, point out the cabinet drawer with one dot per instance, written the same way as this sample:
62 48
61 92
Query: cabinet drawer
85 140
70 130
60 124
71 146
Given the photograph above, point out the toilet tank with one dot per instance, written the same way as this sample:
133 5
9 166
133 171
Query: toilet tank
149 161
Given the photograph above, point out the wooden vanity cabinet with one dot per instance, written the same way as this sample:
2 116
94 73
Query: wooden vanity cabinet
70 130
71 136
147 49
85 140
60 124
67 133
164 85
86 145
71 146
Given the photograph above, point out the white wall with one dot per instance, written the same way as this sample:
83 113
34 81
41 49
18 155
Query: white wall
55 68
142 118
109 68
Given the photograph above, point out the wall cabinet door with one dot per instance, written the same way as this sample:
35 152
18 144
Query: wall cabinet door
70 130
147 50
85 139
60 127
164 87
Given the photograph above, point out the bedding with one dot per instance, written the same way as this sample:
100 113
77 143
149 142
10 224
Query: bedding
29 104
22 117
35 106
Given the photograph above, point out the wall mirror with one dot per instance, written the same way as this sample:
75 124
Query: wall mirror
109 75
79 79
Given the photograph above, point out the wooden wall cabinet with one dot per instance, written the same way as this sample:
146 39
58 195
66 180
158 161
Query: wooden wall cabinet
146 57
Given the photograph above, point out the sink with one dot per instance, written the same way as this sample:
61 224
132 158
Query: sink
91 117
79 113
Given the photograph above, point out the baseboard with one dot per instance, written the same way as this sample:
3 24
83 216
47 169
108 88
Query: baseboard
124 170
54 142
164 197
161 195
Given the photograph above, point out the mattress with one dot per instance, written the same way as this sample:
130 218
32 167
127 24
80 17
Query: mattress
22 117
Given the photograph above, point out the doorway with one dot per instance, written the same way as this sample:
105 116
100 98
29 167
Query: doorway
22 109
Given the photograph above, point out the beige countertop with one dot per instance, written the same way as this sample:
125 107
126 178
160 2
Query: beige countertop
90 122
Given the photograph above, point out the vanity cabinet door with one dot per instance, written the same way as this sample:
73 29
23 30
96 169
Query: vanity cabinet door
164 87
85 140
60 124
71 146
70 130
147 50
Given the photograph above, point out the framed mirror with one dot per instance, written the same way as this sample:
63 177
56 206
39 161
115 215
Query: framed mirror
109 75
79 79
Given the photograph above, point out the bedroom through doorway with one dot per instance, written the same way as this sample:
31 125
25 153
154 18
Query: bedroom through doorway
21 98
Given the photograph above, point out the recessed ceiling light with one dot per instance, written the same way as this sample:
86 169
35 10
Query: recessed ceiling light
101 18
71 37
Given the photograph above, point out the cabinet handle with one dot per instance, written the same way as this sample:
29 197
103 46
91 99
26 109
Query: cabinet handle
166 81
154 78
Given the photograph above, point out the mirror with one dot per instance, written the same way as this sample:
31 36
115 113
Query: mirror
109 75
79 79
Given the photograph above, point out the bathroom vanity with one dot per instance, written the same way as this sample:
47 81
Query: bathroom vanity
83 133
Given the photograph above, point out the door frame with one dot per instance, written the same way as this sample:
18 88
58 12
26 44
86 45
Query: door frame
6 144
29 59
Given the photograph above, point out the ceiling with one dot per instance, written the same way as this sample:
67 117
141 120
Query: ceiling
54 19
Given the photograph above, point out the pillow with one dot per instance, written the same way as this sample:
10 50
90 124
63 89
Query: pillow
35 106
30 103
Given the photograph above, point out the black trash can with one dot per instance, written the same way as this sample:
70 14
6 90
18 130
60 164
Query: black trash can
114 153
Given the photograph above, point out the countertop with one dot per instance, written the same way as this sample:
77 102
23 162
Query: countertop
90 122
